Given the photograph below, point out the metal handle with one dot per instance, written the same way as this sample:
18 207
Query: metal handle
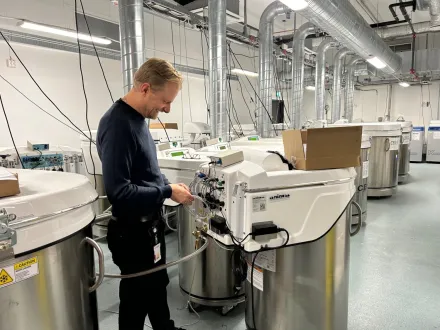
387 144
359 226
100 278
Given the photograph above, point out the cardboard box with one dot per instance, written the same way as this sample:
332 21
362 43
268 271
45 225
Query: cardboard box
9 185
323 148
165 125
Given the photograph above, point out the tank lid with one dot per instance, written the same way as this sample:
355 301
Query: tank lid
382 126
50 207
366 141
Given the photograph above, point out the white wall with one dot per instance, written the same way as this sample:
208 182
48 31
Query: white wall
58 74
409 102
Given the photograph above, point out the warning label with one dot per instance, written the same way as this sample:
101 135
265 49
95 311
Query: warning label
5 278
18 272
259 204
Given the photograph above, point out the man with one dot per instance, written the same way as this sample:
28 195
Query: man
137 189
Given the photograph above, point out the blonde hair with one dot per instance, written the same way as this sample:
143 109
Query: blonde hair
157 73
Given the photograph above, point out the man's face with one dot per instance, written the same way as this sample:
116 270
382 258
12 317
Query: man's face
157 100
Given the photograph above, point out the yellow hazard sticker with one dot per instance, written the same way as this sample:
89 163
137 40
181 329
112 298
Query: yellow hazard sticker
5 278
18 272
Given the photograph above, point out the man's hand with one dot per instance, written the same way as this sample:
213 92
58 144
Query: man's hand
180 194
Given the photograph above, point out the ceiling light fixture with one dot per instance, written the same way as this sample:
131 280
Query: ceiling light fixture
404 84
295 4
310 88
244 72
62 32
377 62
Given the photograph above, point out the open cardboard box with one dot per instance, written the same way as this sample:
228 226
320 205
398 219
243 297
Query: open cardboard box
323 148
9 185
165 125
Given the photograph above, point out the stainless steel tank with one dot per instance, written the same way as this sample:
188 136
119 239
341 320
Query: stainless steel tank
46 262
405 151
361 181
208 279
384 158
59 297
309 290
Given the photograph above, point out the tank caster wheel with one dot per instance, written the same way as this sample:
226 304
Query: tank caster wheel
226 309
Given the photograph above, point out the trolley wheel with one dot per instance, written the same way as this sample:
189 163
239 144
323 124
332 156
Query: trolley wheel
226 309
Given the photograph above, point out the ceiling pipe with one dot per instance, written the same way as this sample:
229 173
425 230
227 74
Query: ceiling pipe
266 73
405 30
218 69
349 87
342 21
298 73
131 26
320 77
337 84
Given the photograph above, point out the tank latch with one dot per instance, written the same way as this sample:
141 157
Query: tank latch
8 236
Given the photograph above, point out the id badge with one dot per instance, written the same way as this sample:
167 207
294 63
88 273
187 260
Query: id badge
157 254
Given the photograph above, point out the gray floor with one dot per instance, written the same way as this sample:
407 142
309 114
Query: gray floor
394 273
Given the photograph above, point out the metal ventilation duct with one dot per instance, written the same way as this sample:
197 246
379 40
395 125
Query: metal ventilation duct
349 87
298 73
320 77
337 86
341 20
218 68
131 25
266 76
405 30
434 10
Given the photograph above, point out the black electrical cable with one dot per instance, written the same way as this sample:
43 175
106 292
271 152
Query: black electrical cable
163 126
230 102
235 113
262 104
172 42
85 95
10 132
46 112
94 47
39 87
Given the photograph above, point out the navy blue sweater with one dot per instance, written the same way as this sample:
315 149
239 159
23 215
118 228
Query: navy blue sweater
132 178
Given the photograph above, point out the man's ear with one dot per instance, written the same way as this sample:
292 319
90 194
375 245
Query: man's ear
145 88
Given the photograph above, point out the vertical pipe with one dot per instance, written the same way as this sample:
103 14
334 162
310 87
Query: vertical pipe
349 87
337 74
218 68
298 73
266 76
320 77
390 94
131 27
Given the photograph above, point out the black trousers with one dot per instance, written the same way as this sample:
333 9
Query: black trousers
132 246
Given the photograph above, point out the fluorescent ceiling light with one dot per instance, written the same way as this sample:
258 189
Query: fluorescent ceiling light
310 88
244 72
377 63
295 4
404 84
63 32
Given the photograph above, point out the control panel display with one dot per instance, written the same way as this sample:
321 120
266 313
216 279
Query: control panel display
177 154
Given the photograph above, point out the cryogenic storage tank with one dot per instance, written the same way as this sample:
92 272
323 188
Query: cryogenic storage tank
404 152
417 142
361 181
46 265
384 158
433 142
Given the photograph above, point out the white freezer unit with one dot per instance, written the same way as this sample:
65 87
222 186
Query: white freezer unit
417 142
433 142
305 203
